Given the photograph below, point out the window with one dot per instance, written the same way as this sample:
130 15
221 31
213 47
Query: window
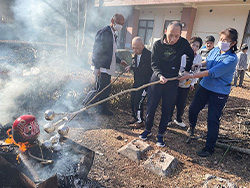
145 30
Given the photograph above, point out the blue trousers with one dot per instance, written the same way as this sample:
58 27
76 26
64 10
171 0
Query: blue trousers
167 92
216 103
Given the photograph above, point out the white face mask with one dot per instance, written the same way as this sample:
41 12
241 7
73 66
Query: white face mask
224 46
117 27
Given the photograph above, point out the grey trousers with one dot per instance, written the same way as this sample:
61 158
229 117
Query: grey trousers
237 74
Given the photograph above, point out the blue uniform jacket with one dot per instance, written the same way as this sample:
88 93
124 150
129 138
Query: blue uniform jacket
221 69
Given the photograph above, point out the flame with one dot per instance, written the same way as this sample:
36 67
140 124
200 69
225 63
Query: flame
17 158
22 146
10 139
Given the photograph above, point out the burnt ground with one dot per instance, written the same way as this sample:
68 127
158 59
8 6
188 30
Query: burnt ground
105 135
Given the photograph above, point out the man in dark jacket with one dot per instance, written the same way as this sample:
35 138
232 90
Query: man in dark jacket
104 59
166 61
142 73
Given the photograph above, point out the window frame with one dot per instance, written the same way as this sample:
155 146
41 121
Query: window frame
146 28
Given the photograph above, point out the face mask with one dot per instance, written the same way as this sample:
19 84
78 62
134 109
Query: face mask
224 46
117 27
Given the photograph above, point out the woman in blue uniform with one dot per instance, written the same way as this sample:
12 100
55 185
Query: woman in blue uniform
215 87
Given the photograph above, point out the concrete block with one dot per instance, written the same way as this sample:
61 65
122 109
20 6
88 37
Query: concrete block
214 181
161 163
134 149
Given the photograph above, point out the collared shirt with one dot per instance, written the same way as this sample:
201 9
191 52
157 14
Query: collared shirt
111 71
138 60
221 69
204 53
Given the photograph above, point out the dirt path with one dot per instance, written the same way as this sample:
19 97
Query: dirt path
106 135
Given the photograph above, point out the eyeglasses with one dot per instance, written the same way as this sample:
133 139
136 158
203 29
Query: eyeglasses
225 40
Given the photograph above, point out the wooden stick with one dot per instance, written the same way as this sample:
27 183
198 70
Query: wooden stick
234 148
225 154
237 108
73 114
222 145
123 92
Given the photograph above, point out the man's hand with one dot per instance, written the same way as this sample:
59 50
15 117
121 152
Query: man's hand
185 77
163 80
128 68
96 72
123 63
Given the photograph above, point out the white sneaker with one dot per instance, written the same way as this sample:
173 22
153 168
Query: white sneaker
181 124
170 123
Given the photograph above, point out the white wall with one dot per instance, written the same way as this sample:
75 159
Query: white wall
159 15
220 18
206 22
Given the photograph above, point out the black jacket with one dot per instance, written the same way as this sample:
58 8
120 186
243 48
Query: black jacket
143 72
103 49
166 59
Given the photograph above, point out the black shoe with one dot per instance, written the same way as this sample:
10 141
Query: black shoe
190 131
145 135
205 152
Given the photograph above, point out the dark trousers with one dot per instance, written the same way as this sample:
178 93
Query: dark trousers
180 103
216 103
237 74
137 99
102 81
167 93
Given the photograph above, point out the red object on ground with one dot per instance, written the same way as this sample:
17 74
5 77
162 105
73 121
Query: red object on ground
25 129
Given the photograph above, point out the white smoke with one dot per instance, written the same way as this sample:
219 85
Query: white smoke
44 74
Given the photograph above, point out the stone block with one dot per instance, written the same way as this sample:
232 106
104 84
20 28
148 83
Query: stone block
161 163
134 149
214 181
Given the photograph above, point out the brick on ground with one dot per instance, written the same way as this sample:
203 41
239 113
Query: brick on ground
134 150
161 163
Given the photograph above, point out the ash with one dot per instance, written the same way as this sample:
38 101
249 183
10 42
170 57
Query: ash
75 182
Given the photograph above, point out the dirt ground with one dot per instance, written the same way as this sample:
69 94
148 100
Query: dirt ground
105 135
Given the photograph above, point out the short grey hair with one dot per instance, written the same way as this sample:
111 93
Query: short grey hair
176 24
138 39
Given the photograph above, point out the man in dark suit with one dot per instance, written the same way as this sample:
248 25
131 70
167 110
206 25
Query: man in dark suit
142 73
104 59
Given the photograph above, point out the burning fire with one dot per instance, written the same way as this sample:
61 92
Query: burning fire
22 146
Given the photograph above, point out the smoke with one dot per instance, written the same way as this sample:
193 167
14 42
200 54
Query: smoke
38 74
48 67
53 69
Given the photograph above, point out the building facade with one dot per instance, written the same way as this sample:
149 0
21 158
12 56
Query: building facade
148 19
